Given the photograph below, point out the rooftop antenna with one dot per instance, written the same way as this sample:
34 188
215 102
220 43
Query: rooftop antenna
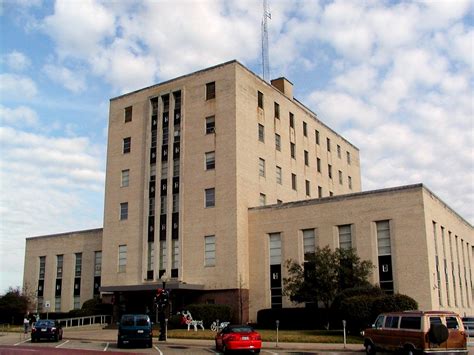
265 58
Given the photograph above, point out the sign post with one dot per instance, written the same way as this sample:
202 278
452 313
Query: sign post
277 325
344 329
47 305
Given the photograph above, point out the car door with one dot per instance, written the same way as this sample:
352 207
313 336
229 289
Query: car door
456 337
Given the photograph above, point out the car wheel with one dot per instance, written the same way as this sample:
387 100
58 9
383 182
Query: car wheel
409 350
56 338
224 349
119 343
256 351
150 343
32 339
370 348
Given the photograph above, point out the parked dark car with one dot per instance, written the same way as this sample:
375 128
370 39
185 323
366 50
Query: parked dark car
46 329
135 328
238 337
468 325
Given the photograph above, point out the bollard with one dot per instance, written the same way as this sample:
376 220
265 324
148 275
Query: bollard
344 330
166 329
277 326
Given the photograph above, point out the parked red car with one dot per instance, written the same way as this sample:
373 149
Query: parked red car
238 337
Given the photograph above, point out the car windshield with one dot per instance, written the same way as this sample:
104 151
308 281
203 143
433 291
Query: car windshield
127 320
44 323
142 320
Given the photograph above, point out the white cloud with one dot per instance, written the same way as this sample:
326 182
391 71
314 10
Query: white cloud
17 87
20 116
16 61
71 80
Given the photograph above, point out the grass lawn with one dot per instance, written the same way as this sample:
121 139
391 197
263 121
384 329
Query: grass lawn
291 336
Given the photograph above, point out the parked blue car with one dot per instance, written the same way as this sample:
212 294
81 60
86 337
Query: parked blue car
136 329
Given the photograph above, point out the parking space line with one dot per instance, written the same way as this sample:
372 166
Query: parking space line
158 350
58 346
270 352
21 342
106 346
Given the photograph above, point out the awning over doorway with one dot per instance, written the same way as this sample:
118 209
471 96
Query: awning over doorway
171 285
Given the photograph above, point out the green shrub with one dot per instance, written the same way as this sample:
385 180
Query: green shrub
393 303
94 306
292 318
357 311
208 313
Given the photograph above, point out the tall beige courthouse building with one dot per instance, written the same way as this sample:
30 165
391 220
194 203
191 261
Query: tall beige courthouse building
214 179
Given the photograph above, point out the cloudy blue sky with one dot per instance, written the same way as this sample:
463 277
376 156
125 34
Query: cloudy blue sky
393 77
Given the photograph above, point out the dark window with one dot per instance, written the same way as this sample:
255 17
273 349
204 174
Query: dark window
260 100
292 120
328 143
306 158
210 124
293 150
210 197
338 151
261 133
277 142
124 210
305 129
435 320
210 160
277 110
293 181
330 171
410 323
320 191
318 164
308 188
210 90
391 322
317 137
128 114
452 323
127 145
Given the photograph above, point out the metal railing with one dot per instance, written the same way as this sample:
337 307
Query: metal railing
87 320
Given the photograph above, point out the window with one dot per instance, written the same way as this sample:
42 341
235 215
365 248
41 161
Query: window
293 150
275 248
328 144
97 263
163 255
210 250
128 114
345 237
276 108
210 160
127 145
306 158
151 206
309 241
349 181
164 169
176 167
125 177
279 202
261 133
410 323
78 267
277 142
123 211
175 255
42 267
320 191
339 151
122 258
383 238
348 155
292 120
77 302
210 196
331 193
210 90
293 181
305 129
330 171
57 304
150 256
260 100
340 177
263 200
308 188
59 266
317 137
175 203
163 204
318 164
261 167
452 323
391 321
210 124
278 175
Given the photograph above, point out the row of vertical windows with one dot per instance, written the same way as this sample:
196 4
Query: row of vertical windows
276 109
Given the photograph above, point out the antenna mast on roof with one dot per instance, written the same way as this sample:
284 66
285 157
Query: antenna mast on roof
265 57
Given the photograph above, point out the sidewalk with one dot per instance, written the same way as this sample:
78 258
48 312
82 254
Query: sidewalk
96 333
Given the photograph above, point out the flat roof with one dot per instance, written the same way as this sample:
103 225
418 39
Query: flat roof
66 234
